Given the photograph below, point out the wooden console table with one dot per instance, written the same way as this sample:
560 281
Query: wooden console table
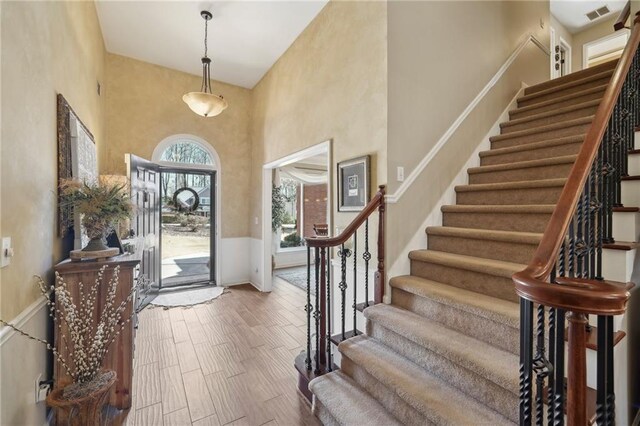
120 355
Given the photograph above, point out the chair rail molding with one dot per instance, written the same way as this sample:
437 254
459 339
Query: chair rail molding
21 320
415 173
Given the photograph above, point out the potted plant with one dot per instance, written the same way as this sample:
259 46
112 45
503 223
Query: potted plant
101 206
86 328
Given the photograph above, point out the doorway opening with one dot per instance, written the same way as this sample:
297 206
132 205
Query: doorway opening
296 197
560 55
187 224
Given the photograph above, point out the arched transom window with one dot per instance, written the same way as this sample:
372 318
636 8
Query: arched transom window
186 152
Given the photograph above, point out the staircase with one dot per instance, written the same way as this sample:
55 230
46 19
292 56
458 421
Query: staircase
445 351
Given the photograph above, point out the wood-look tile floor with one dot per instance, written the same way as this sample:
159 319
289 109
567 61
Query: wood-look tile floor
229 362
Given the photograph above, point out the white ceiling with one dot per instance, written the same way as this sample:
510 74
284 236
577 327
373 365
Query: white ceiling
573 13
245 37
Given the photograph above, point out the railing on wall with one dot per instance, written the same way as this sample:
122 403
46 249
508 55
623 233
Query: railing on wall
564 281
317 359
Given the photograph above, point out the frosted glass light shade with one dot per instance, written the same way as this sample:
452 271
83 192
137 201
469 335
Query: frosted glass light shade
205 104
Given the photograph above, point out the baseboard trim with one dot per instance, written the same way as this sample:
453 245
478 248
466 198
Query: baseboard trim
21 320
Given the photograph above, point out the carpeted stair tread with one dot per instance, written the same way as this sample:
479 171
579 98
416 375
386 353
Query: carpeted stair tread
542 129
492 363
436 400
533 146
566 159
525 184
568 85
559 101
486 234
477 304
498 208
347 402
577 75
498 268
550 114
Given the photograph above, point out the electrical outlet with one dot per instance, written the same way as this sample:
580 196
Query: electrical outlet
400 174
41 389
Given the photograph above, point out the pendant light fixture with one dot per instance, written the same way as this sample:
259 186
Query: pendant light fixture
204 102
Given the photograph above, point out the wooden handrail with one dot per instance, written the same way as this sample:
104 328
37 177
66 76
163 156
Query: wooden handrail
539 269
623 17
369 209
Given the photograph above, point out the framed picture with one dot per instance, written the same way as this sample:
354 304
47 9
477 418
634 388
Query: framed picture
353 184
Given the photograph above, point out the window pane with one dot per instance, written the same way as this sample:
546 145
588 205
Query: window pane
290 230
186 152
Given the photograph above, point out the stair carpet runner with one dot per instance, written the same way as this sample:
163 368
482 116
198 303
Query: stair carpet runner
445 351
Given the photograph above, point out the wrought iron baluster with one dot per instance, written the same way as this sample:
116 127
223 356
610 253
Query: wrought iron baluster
541 366
607 176
557 391
355 280
526 361
343 288
317 312
308 309
600 221
327 262
572 248
367 257
605 397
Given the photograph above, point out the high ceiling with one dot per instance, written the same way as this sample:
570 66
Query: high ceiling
245 37
573 13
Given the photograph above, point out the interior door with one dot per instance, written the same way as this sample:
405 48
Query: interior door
144 178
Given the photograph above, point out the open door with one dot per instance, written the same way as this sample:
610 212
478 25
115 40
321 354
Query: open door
144 178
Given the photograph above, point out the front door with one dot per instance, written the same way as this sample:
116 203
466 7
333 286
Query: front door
188 227
144 178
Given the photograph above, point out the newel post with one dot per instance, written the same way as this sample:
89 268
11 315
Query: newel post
577 373
380 273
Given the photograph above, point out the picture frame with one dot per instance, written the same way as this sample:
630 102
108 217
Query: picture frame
354 188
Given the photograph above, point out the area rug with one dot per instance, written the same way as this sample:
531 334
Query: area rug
190 297
297 276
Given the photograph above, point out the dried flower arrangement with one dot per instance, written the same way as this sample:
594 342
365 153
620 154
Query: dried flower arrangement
85 341
101 205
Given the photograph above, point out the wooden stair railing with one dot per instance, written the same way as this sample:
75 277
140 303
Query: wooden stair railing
564 280
623 17
317 359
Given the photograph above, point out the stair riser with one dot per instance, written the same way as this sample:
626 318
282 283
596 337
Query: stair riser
323 414
531 173
626 226
579 113
576 130
634 165
617 265
514 115
519 196
534 154
631 193
498 250
568 91
385 396
486 330
535 222
464 379
572 77
490 285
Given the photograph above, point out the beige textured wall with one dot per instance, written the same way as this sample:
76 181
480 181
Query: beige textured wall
47 48
330 84
600 30
435 70
144 106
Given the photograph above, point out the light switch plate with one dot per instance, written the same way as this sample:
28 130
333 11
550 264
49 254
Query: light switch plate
5 257
400 174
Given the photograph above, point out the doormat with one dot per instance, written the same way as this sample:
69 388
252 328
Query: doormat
185 298
298 277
